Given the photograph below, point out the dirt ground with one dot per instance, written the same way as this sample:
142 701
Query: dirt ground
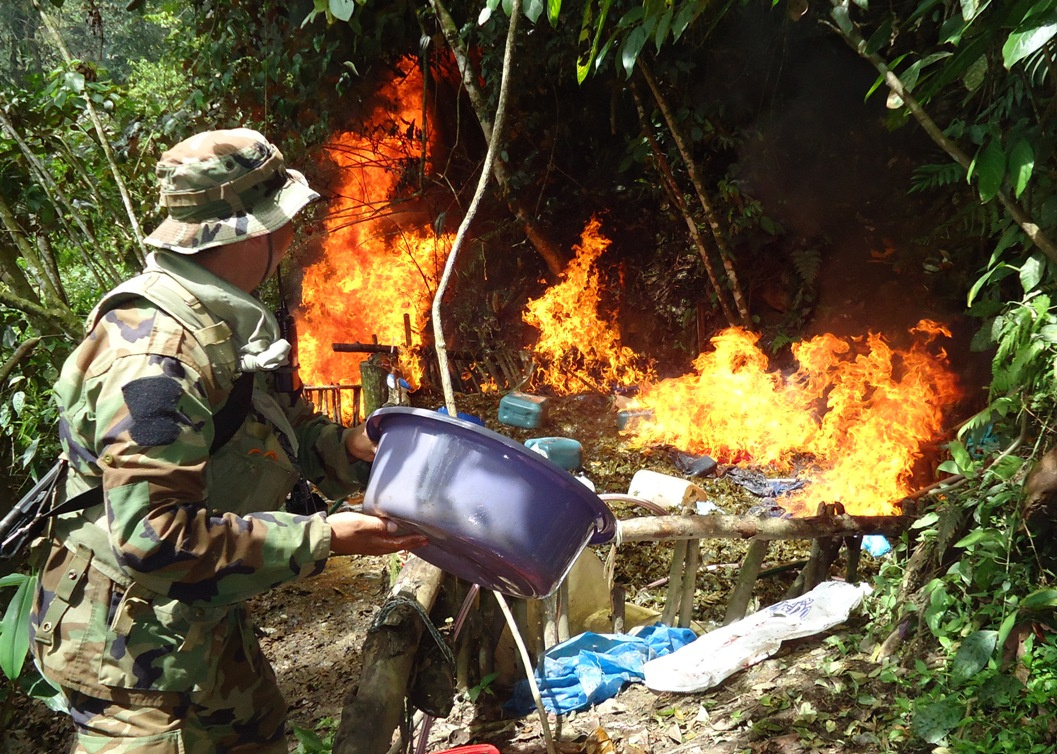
818 694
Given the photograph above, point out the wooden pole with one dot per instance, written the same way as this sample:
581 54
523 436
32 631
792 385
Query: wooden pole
372 380
686 602
675 583
750 571
662 528
374 708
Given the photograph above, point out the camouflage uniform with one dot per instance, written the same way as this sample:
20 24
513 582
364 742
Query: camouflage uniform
139 616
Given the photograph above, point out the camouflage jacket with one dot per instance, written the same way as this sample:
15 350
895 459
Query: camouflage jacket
182 535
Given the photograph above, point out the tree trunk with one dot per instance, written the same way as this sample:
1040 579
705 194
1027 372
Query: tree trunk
718 233
675 194
104 143
374 709
850 33
544 246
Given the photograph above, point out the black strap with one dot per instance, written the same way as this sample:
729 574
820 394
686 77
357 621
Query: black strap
228 419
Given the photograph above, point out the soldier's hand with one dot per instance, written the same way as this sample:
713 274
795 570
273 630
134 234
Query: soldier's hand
359 445
354 533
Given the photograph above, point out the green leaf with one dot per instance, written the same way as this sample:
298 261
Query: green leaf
975 74
342 9
1007 626
949 467
843 19
1039 599
38 687
590 29
960 456
1000 691
686 16
1031 272
554 8
1028 38
12 579
975 537
308 740
990 169
973 655
929 519
73 81
1007 467
999 271
533 9
664 24
14 630
969 9
629 51
1021 165
933 721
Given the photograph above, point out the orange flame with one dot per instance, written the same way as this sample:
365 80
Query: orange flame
857 411
377 265
579 347
855 416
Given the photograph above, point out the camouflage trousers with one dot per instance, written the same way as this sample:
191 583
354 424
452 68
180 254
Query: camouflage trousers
252 724
219 694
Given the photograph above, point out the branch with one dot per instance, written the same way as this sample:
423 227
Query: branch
66 321
103 141
714 224
676 196
850 33
543 245
36 266
661 528
482 184
24 350
53 190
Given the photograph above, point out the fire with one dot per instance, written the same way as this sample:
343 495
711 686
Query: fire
579 347
853 419
377 265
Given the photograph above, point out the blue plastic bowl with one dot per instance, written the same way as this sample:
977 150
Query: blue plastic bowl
496 513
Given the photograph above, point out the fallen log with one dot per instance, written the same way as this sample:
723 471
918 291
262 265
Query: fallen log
661 528
372 710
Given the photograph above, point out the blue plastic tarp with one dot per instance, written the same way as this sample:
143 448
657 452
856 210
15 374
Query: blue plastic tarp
590 668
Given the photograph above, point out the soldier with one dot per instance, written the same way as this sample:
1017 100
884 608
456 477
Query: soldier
168 407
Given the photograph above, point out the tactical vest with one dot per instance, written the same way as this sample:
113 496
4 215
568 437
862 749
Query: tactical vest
250 473
167 294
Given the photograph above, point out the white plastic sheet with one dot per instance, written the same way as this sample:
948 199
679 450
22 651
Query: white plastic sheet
715 656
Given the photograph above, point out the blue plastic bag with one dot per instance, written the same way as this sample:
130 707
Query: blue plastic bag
590 668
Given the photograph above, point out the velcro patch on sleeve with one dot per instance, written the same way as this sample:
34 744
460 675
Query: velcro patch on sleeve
152 403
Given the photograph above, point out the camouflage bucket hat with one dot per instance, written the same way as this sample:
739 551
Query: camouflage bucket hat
225 186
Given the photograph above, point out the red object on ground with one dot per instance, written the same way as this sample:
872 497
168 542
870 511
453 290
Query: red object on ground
472 749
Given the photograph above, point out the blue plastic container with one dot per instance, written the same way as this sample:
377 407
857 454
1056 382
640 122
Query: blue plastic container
630 416
523 410
464 416
564 451
495 512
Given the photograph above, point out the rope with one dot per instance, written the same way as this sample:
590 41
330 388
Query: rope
395 601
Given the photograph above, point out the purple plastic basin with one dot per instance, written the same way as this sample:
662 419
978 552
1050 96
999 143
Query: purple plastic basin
496 513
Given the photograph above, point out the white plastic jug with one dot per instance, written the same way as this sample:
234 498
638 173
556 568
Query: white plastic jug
667 491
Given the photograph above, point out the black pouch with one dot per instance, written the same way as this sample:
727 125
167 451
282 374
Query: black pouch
24 522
